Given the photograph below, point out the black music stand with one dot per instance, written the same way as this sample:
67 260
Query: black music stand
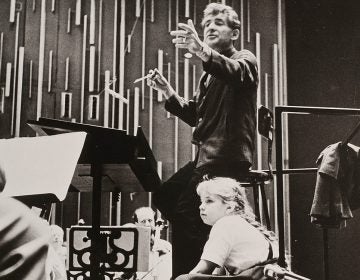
103 146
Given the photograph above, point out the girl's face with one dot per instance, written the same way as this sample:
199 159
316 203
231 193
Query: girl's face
212 208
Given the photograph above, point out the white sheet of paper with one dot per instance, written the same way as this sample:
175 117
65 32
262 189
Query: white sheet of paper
40 165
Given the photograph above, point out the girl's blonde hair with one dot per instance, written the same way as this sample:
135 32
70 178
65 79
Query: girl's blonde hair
232 193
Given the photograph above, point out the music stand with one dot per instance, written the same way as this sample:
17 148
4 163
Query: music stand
102 146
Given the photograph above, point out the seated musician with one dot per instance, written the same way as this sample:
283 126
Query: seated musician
160 254
24 240
57 254
237 244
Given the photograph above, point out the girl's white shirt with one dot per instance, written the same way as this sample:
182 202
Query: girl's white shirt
235 244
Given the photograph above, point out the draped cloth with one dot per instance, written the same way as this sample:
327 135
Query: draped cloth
337 189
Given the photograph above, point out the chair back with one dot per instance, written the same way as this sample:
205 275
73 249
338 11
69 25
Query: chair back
266 129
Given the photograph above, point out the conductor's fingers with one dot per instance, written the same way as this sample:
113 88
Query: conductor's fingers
178 33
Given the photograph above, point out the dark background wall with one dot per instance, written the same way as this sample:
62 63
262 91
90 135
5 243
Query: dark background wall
323 52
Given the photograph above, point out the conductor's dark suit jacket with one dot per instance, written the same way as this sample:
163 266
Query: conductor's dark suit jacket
223 111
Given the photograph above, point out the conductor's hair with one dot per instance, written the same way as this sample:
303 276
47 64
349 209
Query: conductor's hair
218 8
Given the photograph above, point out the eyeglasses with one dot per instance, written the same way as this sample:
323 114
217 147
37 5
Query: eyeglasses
146 221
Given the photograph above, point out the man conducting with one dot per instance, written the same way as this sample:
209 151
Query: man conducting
223 113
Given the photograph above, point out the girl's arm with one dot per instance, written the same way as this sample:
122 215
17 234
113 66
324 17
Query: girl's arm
204 267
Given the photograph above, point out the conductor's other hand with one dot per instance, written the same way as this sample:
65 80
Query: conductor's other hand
187 37
157 81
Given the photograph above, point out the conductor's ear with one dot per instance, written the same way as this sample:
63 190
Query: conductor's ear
235 34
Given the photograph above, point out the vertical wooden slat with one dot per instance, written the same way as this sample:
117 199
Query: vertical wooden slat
118 209
106 99
280 48
1 51
41 58
275 75
186 75
187 8
114 74
176 144
143 53
16 50
30 78
275 103
266 88
8 79
242 24
193 147
111 195
136 110
258 56
152 11
161 70
53 4
92 23
176 127
169 79
2 100
122 64
169 15
78 12
67 68
128 46
194 80
137 9
33 5
248 21
19 91
92 69
68 28
194 13
78 212
151 95
50 70
12 11
99 43
128 112
83 61
258 138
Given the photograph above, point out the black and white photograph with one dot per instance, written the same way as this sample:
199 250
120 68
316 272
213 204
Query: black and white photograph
179 139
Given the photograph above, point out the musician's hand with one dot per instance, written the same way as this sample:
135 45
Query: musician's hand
157 81
187 37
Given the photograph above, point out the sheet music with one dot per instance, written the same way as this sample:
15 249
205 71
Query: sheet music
40 165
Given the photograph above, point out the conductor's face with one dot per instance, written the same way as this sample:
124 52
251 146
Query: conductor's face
217 33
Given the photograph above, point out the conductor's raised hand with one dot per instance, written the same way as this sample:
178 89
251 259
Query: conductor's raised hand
187 37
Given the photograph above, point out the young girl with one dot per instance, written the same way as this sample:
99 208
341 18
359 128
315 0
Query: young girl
237 242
